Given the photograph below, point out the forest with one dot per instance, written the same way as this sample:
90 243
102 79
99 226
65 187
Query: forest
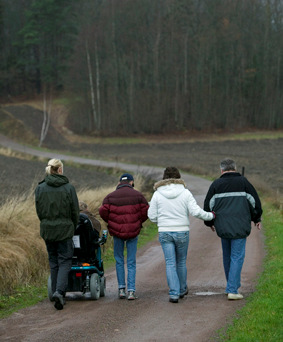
147 66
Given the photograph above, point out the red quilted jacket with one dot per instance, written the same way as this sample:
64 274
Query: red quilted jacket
124 209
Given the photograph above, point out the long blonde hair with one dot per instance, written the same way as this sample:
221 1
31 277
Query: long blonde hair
53 166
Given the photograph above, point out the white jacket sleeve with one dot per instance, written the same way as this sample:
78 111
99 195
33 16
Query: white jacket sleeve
152 210
196 211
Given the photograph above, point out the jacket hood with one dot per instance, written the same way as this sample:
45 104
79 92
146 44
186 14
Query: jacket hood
170 188
56 180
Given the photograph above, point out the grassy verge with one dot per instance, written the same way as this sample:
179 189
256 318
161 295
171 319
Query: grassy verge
29 295
261 318
23 297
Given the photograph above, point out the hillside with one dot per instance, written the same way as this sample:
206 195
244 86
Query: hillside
153 67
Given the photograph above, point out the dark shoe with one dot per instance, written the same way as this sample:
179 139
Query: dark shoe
59 300
173 300
184 294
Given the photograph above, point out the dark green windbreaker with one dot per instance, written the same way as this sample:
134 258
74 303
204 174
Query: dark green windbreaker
57 208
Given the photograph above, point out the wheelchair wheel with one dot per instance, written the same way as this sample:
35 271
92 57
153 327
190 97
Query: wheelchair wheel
94 286
102 286
49 289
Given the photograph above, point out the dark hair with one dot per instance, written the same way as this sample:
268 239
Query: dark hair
227 165
171 172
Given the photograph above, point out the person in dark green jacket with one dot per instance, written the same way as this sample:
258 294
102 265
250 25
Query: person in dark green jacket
57 208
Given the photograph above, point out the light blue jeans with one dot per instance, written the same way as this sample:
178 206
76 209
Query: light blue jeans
233 260
131 246
175 249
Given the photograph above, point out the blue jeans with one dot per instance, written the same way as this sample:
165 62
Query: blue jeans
131 246
175 249
233 259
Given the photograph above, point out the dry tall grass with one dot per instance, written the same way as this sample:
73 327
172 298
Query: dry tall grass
23 258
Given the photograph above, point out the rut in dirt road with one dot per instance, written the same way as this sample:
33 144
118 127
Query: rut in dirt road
151 317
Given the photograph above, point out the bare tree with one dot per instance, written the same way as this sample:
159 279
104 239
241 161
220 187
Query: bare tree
97 89
94 113
46 117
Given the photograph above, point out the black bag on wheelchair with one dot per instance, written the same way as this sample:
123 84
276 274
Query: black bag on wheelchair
86 240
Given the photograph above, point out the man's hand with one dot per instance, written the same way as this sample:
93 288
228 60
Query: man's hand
212 228
258 225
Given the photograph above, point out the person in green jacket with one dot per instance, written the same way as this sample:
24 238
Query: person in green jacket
57 208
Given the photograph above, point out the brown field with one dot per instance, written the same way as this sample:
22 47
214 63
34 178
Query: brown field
262 159
261 154
18 176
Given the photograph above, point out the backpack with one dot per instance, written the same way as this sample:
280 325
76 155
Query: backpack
85 240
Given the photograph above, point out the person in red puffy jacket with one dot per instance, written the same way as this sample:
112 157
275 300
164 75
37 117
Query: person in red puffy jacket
124 210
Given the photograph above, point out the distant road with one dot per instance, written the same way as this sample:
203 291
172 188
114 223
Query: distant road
157 172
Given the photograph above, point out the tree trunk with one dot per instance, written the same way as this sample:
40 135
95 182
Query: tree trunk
97 89
46 118
91 86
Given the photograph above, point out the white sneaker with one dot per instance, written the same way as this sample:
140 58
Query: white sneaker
122 293
132 295
235 296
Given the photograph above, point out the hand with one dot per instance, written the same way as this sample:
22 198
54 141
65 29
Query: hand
258 225
212 228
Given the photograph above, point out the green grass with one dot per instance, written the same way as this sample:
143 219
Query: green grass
148 233
29 295
25 296
257 135
261 320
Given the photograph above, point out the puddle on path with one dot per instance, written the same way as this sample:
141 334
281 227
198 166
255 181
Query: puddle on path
207 293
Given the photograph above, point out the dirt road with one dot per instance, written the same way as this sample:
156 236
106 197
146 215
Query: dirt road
151 317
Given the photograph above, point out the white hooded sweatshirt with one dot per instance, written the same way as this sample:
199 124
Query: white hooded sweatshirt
171 205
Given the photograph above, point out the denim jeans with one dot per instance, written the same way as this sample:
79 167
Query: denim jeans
175 249
60 255
233 259
131 246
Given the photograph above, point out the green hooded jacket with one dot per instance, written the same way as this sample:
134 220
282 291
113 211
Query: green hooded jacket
57 208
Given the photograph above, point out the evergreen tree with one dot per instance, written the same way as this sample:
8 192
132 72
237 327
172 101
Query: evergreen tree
47 41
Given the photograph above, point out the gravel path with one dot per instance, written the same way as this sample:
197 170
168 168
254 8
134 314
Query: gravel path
151 317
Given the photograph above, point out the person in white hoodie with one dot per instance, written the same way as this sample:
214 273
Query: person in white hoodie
170 207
